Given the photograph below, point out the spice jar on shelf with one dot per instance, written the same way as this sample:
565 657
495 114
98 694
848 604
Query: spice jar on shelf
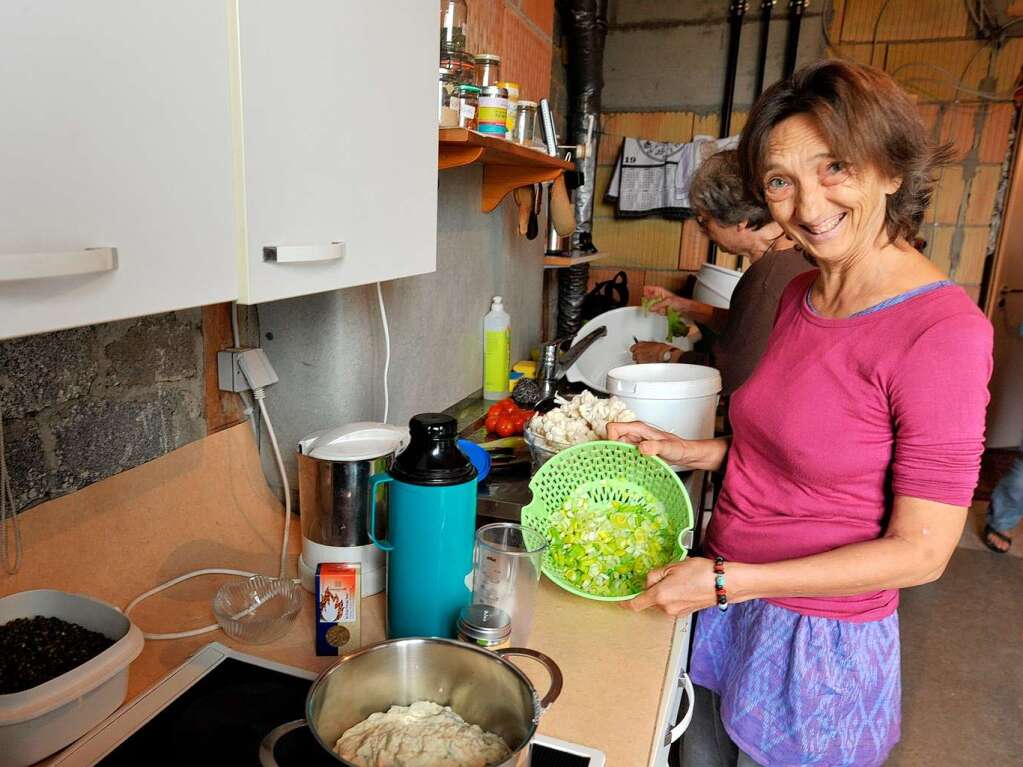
448 104
469 97
513 105
462 64
492 116
488 69
453 25
525 124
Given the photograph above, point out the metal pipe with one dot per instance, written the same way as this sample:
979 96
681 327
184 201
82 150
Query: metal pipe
585 24
736 12
765 31
796 9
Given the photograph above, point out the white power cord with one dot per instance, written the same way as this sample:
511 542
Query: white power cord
259 395
249 410
387 353
7 509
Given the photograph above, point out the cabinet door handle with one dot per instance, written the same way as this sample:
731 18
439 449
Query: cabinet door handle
36 266
674 733
294 254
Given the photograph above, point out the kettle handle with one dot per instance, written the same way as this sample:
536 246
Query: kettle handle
375 482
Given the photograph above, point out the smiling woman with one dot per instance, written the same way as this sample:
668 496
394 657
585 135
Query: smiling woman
856 444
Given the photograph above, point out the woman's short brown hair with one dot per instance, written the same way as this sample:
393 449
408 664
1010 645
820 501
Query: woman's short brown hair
866 119
717 190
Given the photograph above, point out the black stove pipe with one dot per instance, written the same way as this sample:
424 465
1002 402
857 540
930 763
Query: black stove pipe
736 13
765 31
796 9
585 26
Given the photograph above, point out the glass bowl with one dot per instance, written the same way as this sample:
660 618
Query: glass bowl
541 449
257 610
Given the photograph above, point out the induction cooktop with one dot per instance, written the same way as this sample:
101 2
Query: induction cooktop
216 708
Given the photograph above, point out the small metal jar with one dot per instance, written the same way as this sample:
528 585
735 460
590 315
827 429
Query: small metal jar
484 626
488 69
469 96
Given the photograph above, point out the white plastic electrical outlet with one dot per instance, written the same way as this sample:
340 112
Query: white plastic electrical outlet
244 369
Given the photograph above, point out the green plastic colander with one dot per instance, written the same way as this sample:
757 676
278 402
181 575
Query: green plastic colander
603 472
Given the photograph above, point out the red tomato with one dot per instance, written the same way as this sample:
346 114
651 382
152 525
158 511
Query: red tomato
508 405
492 420
521 419
505 426
495 410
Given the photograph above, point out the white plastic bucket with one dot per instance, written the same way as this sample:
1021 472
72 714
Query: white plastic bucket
715 284
682 399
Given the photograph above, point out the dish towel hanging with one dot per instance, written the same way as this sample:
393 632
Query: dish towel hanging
653 177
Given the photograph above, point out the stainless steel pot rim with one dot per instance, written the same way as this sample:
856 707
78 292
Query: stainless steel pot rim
539 705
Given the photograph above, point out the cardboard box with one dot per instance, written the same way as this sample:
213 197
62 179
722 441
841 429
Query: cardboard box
339 608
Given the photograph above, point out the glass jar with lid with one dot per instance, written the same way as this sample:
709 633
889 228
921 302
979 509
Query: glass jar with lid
454 16
488 69
484 626
492 116
462 64
448 104
525 123
469 97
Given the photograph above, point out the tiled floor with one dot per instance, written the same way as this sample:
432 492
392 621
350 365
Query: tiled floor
962 660
975 528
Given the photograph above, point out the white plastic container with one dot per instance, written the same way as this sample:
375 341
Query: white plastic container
624 327
496 351
682 399
715 284
40 721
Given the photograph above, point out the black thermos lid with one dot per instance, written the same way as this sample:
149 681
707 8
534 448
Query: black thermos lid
432 456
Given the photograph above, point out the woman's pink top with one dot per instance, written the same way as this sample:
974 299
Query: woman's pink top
841 416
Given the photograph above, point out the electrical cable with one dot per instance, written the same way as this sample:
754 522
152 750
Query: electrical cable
249 409
259 396
387 351
7 508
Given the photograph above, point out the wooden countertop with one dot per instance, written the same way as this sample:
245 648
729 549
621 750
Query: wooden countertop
207 505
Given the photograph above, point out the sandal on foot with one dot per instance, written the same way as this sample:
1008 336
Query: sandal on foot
990 532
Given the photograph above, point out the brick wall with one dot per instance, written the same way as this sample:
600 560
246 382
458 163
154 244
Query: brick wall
929 45
920 42
520 32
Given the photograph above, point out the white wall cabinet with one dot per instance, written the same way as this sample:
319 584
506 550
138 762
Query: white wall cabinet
335 103
116 134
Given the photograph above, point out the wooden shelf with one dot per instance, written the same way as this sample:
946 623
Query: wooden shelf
560 262
506 166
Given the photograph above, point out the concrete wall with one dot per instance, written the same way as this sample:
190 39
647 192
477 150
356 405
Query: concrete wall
83 404
664 55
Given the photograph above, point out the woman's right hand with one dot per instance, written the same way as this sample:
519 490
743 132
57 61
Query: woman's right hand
652 441
664 299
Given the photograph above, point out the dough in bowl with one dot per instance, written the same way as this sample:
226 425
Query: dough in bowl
424 734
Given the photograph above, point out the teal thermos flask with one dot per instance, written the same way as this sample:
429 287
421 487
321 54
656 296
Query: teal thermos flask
431 529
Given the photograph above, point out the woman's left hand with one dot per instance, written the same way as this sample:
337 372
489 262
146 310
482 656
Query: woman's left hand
678 588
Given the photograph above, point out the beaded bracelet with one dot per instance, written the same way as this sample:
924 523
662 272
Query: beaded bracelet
719 583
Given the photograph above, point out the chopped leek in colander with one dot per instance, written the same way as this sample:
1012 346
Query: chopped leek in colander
607 548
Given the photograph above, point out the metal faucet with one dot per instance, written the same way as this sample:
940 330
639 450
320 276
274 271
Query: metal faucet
553 368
